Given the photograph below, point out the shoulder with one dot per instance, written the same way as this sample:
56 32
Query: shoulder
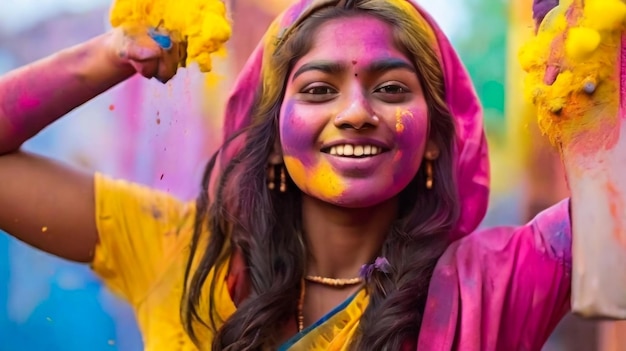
141 232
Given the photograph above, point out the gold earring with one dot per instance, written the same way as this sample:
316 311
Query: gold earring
283 180
429 174
271 178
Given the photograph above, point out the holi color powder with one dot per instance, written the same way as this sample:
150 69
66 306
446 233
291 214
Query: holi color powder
575 79
322 180
202 23
573 75
400 115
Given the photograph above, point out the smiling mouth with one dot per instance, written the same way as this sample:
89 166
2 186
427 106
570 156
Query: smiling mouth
356 151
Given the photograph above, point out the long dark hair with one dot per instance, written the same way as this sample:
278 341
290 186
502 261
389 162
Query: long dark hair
264 226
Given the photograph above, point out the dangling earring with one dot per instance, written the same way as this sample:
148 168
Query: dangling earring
429 174
283 180
271 177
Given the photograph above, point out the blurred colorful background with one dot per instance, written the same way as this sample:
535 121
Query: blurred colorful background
162 135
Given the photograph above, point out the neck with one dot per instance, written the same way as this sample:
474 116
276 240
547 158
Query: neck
340 240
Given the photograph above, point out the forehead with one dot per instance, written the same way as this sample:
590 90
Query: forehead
357 38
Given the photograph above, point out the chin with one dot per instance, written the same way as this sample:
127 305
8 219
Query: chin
357 197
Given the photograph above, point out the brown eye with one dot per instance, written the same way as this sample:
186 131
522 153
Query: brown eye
318 93
392 89
320 90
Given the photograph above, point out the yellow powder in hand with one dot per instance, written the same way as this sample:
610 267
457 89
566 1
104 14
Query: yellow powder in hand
581 42
202 23
572 69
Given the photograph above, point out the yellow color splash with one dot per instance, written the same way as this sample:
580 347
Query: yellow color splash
573 69
581 42
321 181
399 122
202 23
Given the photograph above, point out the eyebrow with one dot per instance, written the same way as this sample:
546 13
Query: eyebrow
389 64
332 67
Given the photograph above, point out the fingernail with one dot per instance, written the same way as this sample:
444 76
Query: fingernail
163 40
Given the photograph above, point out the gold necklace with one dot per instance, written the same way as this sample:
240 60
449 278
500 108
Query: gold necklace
334 282
301 307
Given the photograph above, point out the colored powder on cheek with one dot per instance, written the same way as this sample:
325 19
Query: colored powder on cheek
319 181
397 156
296 169
325 181
401 115
296 136
411 129
202 23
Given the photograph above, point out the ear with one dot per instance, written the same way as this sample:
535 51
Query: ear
276 155
432 151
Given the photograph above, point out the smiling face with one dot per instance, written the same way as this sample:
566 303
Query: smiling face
353 123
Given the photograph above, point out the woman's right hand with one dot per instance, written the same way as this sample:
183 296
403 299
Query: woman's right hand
43 203
151 52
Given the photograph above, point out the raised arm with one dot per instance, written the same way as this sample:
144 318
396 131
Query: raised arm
502 288
43 203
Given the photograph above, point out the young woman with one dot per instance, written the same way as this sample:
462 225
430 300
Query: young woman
336 216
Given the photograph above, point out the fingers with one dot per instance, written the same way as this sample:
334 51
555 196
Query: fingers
172 52
151 53
171 59
131 45
148 69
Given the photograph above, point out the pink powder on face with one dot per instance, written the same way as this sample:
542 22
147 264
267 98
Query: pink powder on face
357 61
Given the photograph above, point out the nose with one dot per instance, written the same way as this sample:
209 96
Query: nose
357 115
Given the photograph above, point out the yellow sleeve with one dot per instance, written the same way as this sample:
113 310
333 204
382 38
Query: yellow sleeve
141 230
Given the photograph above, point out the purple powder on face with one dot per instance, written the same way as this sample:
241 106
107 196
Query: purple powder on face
296 136
542 7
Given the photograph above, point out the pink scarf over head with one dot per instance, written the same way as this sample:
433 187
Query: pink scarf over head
472 162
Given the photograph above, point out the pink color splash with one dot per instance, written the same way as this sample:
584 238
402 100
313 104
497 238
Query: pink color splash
26 101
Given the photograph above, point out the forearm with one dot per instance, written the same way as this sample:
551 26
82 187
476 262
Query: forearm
36 95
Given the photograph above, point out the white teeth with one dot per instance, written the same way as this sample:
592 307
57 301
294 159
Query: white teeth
354 150
358 150
367 150
348 150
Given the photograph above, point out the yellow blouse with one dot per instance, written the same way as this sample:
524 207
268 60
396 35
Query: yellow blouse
141 256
